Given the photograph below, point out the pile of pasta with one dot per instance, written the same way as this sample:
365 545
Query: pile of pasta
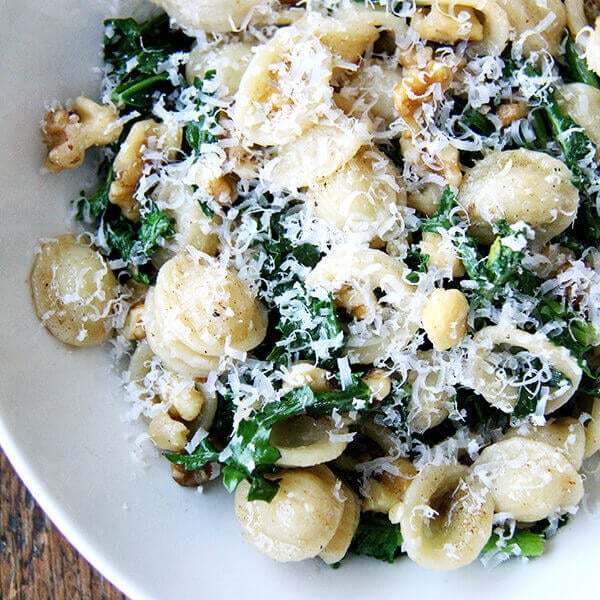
349 253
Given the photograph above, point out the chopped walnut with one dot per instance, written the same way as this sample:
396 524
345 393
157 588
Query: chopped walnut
448 24
507 113
195 478
129 163
68 134
444 161
419 85
133 328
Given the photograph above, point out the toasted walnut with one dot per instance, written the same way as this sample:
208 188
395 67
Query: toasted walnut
133 328
416 55
448 24
592 48
128 166
507 113
68 134
385 490
443 161
420 85
194 478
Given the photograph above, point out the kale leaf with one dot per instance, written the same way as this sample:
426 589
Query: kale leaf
377 537
522 543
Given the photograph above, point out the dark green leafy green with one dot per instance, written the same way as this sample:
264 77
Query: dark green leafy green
377 537
577 65
200 132
136 55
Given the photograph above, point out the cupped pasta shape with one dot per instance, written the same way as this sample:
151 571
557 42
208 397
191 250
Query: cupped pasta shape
529 479
447 517
431 396
229 61
539 25
300 521
582 103
316 154
385 490
566 434
361 197
340 542
198 312
219 16
495 386
370 89
304 441
493 18
353 275
73 291
519 185
592 429
285 88
305 373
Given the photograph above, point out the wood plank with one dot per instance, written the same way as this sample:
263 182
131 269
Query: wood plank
36 561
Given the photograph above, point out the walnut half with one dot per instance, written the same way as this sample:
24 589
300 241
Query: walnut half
69 133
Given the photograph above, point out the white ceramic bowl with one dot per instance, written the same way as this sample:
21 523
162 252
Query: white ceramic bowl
61 414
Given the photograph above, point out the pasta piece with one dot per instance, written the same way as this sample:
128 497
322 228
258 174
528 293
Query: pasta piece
167 433
431 395
219 16
340 542
494 385
441 254
370 90
565 434
575 13
361 197
529 479
582 103
229 61
317 154
539 25
352 275
198 312
447 517
447 24
73 291
444 318
300 521
305 442
592 429
519 185
305 373
285 88
489 13
592 48
387 489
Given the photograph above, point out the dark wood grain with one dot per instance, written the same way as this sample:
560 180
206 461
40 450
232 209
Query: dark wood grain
36 561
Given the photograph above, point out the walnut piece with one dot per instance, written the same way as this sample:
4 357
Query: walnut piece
128 166
69 133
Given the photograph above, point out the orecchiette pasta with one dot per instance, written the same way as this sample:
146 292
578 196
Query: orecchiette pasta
352 275
73 291
213 15
498 388
489 14
167 433
285 88
582 103
566 434
448 24
340 542
387 489
361 197
304 441
592 48
529 479
431 396
441 254
228 61
447 517
197 312
592 429
300 521
519 185
539 25
317 154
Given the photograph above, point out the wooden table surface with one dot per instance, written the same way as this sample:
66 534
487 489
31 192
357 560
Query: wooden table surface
36 561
